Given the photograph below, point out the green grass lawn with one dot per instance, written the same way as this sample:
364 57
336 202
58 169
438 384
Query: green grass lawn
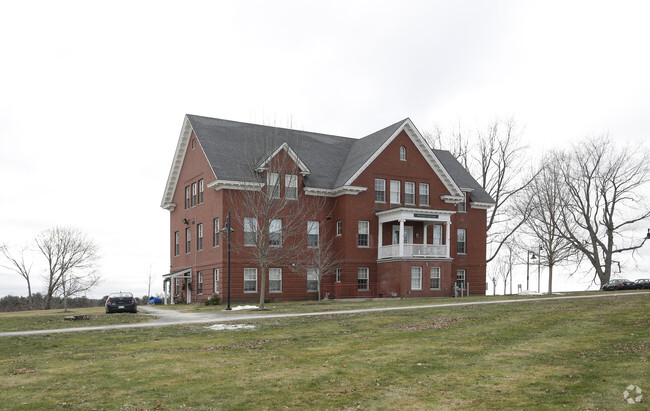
49 319
581 354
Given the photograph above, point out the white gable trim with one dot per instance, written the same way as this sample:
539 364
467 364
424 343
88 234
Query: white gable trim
424 149
304 170
177 164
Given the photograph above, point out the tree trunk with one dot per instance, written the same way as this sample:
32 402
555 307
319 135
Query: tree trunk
550 278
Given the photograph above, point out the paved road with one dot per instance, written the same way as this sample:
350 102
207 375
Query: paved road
162 317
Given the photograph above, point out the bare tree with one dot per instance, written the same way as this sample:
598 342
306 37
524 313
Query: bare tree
604 200
542 202
321 260
275 221
497 158
72 261
16 263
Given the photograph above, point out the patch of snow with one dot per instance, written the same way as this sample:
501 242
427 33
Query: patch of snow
244 307
222 327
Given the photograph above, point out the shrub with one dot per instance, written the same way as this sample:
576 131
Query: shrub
214 300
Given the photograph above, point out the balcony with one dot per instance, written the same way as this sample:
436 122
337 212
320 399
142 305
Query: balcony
414 251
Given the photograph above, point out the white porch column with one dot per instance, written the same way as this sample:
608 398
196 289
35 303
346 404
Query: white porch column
448 237
380 240
424 238
401 237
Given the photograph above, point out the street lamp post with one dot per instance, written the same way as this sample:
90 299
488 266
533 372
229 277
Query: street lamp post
228 230
528 253
539 265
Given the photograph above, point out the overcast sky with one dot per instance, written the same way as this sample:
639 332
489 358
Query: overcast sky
93 94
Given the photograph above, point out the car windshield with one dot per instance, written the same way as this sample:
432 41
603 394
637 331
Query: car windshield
121 295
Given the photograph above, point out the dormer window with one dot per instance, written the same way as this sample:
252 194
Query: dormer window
402 153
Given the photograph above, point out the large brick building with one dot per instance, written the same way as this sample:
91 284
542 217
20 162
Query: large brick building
407 220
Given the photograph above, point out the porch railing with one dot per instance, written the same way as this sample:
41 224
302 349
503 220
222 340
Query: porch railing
413 251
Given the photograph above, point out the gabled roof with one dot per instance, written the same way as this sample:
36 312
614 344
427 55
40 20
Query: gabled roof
329 163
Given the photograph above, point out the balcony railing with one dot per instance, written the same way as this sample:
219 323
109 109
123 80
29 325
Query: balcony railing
414 251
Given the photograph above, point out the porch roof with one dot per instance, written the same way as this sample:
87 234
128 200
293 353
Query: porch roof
178 274
413 214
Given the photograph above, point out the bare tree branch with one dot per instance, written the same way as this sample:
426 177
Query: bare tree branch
72 260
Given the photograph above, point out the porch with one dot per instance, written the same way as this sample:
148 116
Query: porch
408 235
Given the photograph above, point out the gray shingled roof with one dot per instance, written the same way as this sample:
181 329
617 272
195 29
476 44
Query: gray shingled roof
231 147
462 177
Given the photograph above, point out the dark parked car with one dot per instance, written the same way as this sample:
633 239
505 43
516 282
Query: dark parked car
620 284
121 302
642 283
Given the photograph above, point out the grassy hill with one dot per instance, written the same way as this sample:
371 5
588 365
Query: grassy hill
545 354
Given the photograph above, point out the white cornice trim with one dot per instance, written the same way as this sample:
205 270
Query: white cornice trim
334 192
304 170
235 185
481 206
413 214
424 149
449 199
169 206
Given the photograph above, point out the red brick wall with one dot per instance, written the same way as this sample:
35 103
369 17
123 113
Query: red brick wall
385 277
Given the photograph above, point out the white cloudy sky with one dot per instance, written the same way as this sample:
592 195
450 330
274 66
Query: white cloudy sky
93 94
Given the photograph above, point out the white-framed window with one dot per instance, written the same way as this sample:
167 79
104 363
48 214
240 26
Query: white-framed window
424 194
250 280
460 278
409 193
188 197
435 278
313 229
193 143
338 275
177 243
291 186
416 278
402 153
363 234
199 237
275 280
275 232
380 190
199 288
250 231
312 279
188 240
339 227
461 241
201 191
395 190
273 185
363 279
216 280
462 206
217 231
437 234
193 194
